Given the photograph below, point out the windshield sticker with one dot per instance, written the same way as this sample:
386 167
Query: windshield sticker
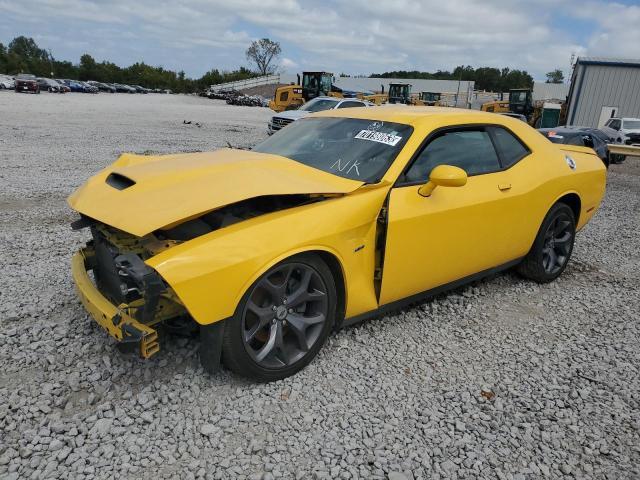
347 167
379 137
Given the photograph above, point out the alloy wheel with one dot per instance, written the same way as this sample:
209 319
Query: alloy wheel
284 315
558 241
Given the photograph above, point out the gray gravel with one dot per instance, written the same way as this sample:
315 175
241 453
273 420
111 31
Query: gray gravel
502 379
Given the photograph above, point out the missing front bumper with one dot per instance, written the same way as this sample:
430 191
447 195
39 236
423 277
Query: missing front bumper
131 334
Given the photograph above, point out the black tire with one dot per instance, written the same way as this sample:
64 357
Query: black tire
552 247
616 158
260 341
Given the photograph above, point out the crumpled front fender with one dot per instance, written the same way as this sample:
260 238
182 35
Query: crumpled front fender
211 273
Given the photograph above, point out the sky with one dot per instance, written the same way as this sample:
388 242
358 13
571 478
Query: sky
349 36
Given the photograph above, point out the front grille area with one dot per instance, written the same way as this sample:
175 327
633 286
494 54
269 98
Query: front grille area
121 274
106 272
278 122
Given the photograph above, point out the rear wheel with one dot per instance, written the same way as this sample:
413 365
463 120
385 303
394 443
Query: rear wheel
552 247
616 158
282 321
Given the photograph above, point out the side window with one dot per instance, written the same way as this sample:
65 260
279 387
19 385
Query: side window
615 124
511 149
471 150
284 96
350 104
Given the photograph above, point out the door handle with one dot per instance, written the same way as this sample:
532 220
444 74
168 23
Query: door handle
504 186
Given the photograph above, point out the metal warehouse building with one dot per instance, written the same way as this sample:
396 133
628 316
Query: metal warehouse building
602 88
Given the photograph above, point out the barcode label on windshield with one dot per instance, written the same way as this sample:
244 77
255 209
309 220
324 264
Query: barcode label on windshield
379 137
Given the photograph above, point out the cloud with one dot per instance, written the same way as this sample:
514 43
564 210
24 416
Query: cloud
617 29
288 64
359 36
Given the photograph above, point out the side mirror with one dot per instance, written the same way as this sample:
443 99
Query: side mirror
588 141
443 176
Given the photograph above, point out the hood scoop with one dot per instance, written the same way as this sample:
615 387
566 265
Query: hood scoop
119 181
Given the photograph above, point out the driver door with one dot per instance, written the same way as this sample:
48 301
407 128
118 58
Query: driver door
457 231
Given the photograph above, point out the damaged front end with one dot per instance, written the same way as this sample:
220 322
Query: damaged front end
125 296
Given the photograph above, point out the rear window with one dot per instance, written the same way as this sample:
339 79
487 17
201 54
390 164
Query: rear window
510 148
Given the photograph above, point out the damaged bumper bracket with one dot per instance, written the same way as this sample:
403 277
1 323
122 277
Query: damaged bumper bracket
131 334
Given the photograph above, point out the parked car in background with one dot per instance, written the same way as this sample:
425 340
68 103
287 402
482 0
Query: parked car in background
633 139
619 129
88 88
514 115
74 85
582 137
7 82
318 104
140 89
25 82
63 86
49 85
103 87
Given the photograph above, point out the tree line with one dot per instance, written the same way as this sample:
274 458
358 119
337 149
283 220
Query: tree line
486 78
23 55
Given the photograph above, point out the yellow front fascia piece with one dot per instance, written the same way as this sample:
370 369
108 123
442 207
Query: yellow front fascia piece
113 319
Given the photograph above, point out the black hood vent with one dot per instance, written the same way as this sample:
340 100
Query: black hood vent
119 181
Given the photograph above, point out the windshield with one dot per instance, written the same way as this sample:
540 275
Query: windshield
631 124
351 148
518 97
319 104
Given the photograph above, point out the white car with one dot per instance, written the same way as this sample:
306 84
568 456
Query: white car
7 82
318 104
619 129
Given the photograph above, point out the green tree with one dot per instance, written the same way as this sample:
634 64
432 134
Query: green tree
88 68
24 55
264 53
555 76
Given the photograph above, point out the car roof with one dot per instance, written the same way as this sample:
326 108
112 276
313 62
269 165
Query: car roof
415 115
568 129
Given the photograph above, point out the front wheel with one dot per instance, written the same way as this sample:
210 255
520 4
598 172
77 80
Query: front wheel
552 247
282 321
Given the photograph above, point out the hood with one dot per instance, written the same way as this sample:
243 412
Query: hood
292 114
139 194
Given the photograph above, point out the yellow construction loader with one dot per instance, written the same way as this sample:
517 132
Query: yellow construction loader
429 99
520 101
314 84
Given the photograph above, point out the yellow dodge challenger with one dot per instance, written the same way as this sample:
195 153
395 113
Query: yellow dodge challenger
336 218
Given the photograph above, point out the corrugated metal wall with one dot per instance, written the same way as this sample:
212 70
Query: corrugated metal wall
550 91
600 86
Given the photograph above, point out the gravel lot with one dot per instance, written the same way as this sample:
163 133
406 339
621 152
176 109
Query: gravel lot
503 379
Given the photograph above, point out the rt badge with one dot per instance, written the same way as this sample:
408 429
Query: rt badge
571 162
